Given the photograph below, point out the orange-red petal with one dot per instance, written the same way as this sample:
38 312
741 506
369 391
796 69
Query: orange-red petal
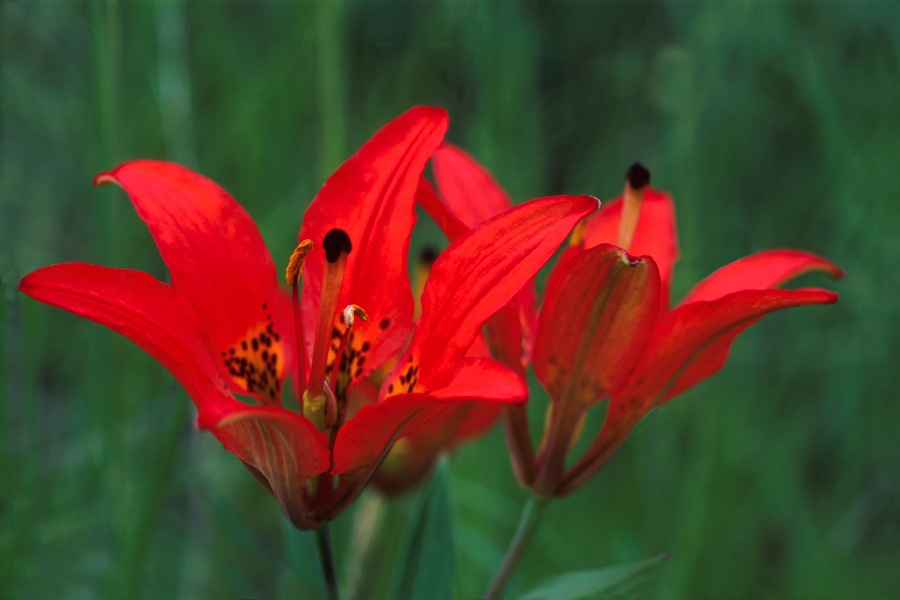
656 234
371 198
597 318
759 271
219 263
482 271
279 445
470 191
363 441
692 342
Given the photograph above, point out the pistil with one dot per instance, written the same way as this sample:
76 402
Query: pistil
337 247
636 181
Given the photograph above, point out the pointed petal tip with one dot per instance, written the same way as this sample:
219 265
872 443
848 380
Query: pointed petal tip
834 270
104 178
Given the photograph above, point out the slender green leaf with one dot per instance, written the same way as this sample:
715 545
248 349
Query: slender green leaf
596 584
426 567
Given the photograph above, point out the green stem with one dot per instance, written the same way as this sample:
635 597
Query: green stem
326 561
528 524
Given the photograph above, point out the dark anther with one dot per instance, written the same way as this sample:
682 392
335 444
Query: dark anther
428 255
335 243
638 176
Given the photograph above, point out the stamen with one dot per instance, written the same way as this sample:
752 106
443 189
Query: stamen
350 313
636 181
337 246
295 267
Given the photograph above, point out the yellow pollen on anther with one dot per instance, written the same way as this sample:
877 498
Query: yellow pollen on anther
295 266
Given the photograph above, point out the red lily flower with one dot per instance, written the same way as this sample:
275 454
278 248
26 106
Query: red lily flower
223 326
621 341
605 328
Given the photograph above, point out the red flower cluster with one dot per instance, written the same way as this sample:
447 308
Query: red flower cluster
605 329
225 327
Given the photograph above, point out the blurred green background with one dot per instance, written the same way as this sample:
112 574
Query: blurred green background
772 124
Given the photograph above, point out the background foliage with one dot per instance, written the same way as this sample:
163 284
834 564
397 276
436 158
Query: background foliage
773 124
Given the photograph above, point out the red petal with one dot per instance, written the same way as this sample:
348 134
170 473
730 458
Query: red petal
479 273
411 458
596 320
362 442
431 203
148 312
216 256
371 197
692 342
282 446
471 194
656 234
766 269
467 188
511 329
278 445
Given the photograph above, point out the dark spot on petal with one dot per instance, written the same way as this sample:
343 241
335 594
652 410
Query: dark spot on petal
385 323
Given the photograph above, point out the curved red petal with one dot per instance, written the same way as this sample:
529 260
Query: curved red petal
656 234
371 197
362 442
216 256
597 318
431 203
148 312
759 271
479 273
692 342
411 458
471 194
511 329
468 189
279 445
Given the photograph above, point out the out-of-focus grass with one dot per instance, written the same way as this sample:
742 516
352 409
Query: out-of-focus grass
772 124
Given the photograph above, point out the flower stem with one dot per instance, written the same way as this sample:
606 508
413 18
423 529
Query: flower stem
528 524
326 561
